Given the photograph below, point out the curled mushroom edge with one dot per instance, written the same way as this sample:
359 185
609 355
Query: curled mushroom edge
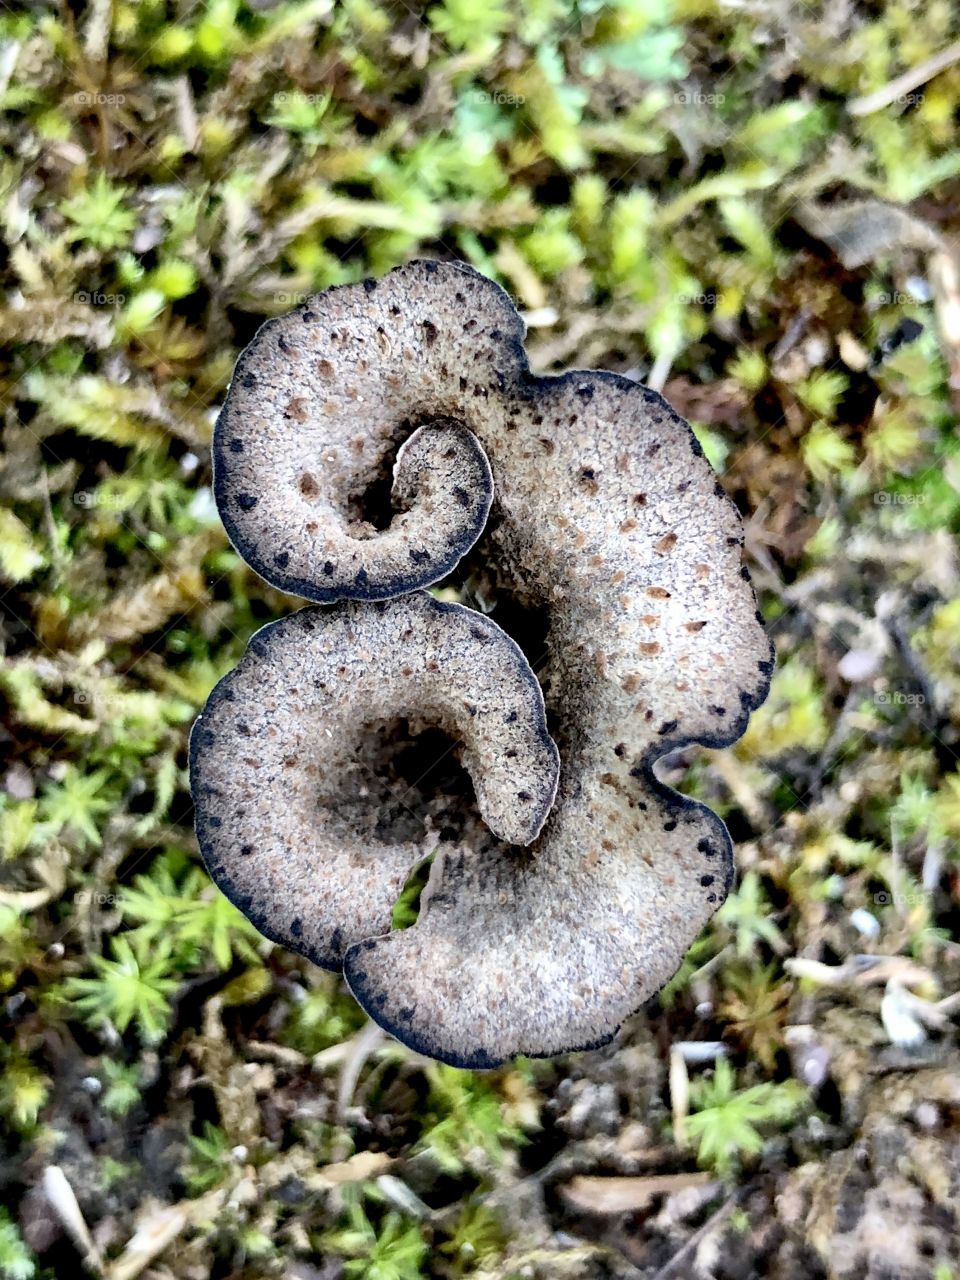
555 906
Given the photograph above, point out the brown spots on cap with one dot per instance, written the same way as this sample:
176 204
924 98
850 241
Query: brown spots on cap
308 485
556 547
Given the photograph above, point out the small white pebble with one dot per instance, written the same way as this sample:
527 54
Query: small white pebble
816 349
189 463
540 318
811 1065
866 924
202 506
91 1084
927 1115
899 1023
810 1058
696 1051
239 1152
858 664
18 782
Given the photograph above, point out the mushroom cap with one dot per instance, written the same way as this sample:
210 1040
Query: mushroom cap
607 517
547 950
319 403
289 816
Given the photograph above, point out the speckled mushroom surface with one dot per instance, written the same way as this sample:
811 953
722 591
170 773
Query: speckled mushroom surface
291 816
607 522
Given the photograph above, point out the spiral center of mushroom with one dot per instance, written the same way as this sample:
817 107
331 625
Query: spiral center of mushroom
403 784
371 504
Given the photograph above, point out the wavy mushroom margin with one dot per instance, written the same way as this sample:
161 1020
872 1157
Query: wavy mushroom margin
605 512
